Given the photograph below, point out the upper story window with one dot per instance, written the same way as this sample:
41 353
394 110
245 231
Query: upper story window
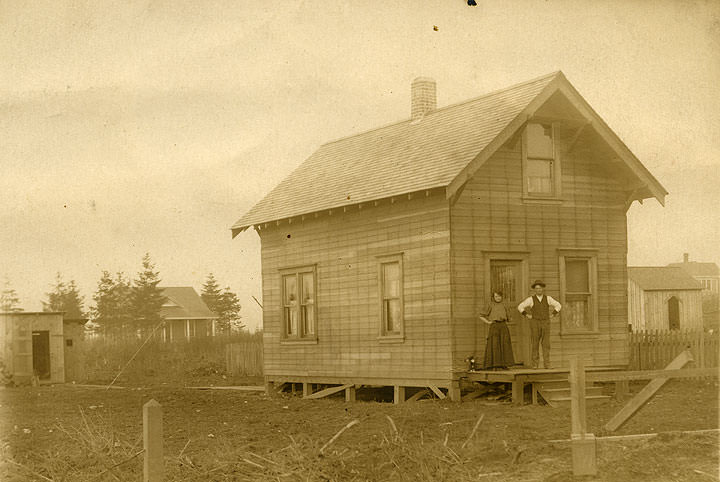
541 171
299 314
391 297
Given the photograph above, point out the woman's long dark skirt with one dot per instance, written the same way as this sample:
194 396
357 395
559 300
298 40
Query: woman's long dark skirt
498 350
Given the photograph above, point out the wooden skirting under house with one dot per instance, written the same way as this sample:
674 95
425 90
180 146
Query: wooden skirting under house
314 387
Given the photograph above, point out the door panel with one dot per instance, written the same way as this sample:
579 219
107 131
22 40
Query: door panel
41 354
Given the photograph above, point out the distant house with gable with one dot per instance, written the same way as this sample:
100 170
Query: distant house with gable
380 249
186 315
663 298
708 274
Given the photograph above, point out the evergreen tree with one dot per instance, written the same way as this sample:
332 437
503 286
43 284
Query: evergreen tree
146 298
229 312
65 297
111 313
224 304
9 299
211 294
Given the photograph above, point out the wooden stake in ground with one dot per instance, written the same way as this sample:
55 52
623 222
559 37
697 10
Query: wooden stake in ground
153 468
584 448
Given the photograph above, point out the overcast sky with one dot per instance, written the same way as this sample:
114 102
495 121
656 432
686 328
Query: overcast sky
133 127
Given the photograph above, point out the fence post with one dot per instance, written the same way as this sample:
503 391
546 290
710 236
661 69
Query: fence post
584 454
153 468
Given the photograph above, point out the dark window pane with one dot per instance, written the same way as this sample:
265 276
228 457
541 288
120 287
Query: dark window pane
577 279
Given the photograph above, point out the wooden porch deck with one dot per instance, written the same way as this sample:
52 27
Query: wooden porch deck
519 376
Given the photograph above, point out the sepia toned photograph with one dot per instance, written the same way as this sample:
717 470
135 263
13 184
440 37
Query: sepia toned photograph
324 240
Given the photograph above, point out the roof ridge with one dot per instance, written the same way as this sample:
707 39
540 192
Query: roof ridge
445 107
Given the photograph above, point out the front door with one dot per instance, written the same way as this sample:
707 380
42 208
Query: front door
506 276
41 354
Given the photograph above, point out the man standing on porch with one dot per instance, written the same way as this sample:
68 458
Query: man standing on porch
539 309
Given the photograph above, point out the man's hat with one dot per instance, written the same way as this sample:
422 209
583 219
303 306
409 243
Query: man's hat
537 282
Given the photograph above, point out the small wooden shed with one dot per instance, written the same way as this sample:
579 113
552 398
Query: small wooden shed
32 345
379 250
663 298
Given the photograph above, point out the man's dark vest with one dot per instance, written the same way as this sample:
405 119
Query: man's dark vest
540 309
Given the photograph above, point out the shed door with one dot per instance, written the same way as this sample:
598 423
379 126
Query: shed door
41 353
674 313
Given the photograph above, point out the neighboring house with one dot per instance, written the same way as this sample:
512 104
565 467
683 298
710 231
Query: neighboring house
42 345
186 315
379 250
708 274
663 298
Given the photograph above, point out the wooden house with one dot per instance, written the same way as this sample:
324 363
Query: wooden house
379 250
42 345
186 315
663 298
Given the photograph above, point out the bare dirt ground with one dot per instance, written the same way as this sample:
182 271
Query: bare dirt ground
67 433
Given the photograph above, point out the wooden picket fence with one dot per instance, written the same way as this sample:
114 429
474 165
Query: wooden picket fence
245 357
654 349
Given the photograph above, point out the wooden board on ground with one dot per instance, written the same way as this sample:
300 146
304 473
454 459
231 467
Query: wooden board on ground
328 391
437 392
242 388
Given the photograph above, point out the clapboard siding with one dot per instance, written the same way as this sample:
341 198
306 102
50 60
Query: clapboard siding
648 310
491 215
344 247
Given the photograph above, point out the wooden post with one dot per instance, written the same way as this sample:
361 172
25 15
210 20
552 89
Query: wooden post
269 387
584 449
518 392
307 389
153 468
577 396
622 389
454 391
399 394
350 394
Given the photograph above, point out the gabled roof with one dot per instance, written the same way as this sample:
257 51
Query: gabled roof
184 303
443 149
659 278
694 268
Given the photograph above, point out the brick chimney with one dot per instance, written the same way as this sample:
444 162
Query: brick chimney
423 99
686 257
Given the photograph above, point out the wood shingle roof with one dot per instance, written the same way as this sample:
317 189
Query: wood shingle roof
440 150
661 278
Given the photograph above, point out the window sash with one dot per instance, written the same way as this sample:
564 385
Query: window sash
578 276
391 299
299 310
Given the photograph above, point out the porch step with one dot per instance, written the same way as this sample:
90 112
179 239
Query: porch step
561 393
558 391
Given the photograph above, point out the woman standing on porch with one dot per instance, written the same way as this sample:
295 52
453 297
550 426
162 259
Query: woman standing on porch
498 348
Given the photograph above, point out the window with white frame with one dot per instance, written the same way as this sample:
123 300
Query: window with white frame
299 307
540 166
391 296
578 291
